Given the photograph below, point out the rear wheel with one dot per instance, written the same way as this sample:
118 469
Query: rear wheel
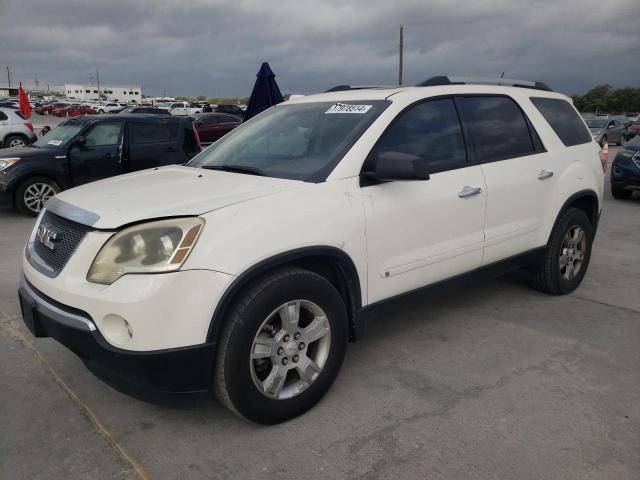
32 194
567 254
282 347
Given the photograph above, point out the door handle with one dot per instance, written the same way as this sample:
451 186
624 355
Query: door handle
469 191
544 174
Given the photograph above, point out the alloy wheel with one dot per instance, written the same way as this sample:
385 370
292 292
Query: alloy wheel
290 349
36 195
17 142
572 252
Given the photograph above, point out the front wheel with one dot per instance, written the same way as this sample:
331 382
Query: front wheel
282 346
32 194
15 141
567 254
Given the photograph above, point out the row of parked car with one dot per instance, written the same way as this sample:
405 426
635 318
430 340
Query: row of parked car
612 128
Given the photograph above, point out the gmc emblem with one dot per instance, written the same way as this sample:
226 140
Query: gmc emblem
47 237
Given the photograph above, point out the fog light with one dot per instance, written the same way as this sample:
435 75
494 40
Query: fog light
116 329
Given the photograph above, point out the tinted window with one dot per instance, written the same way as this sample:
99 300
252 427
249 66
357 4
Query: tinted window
103 134
228 119
209 120
498 128
564 120
149 133
431 131
3 116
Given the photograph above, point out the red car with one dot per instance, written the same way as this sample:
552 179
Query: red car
50 107
73 111
632 130
213 126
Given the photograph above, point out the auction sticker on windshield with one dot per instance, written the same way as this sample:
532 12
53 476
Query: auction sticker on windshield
57 143
344 108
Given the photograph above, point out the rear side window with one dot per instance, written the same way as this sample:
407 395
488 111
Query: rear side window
3 116
564 120
431 131
150 133
498 128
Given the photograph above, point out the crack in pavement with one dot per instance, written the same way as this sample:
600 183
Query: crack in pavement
605 304
98 426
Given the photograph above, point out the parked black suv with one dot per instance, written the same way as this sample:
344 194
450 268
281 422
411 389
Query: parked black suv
625 170
88 148
232 109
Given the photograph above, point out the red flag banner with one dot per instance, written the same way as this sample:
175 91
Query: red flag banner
23 101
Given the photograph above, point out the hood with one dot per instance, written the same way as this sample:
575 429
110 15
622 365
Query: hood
29 152
163 192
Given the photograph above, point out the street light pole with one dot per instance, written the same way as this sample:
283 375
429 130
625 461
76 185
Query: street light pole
400 66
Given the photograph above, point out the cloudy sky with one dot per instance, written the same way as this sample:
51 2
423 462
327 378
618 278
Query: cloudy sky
215 47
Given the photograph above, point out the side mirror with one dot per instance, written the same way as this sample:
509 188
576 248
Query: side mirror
392 166
78 142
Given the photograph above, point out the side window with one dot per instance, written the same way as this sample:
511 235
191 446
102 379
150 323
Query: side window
210 120
104 134
563 119
228 119
498 128
142 133
431 131
3 117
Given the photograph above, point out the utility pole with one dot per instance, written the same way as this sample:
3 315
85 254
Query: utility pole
98 82
91 78
401 53
9 77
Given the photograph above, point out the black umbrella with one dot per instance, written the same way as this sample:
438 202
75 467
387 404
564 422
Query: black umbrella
265 92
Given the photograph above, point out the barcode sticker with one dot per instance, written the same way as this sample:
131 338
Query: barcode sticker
347 108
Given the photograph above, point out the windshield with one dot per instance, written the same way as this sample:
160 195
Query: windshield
597 123
301 141
60 134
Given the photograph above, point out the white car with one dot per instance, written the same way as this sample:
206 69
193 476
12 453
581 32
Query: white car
183 108
246 271
109 107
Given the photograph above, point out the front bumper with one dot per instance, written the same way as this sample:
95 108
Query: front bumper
175 376
625 174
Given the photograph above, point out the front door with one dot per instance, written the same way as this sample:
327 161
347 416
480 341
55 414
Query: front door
100 156
420 232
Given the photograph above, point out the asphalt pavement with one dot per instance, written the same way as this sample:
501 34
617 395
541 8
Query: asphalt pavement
492 381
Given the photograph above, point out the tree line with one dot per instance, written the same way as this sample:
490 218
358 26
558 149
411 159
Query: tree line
606 99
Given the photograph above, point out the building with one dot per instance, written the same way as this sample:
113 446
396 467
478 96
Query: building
122 93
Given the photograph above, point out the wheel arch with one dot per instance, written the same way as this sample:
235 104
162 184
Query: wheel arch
36 173
329 262
16 134
585 200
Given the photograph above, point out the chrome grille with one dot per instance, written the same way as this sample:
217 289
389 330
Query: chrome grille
69 235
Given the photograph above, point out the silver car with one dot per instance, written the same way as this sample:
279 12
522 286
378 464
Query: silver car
15 130
608 129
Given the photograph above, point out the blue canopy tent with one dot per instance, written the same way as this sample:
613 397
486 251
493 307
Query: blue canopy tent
265 92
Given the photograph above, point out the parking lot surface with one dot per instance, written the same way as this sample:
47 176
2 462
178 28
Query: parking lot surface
485 382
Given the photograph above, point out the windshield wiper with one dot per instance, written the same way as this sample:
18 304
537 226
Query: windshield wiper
236 169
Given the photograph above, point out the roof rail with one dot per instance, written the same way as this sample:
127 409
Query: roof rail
343 88
446 80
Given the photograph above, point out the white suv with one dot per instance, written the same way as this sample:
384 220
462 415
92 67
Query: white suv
246 271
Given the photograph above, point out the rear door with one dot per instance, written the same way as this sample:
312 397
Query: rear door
152 143
100 156
519 173
420 232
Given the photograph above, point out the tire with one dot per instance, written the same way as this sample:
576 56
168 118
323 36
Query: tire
15 141
100 111
551 276
621 194
242 384
602 141
33 193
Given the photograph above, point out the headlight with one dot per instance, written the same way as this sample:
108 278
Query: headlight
153 247
7 162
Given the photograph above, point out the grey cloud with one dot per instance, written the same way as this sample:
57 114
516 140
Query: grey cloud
214 48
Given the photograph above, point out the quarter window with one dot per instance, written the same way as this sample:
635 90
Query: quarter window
498 128
431 131
563 119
